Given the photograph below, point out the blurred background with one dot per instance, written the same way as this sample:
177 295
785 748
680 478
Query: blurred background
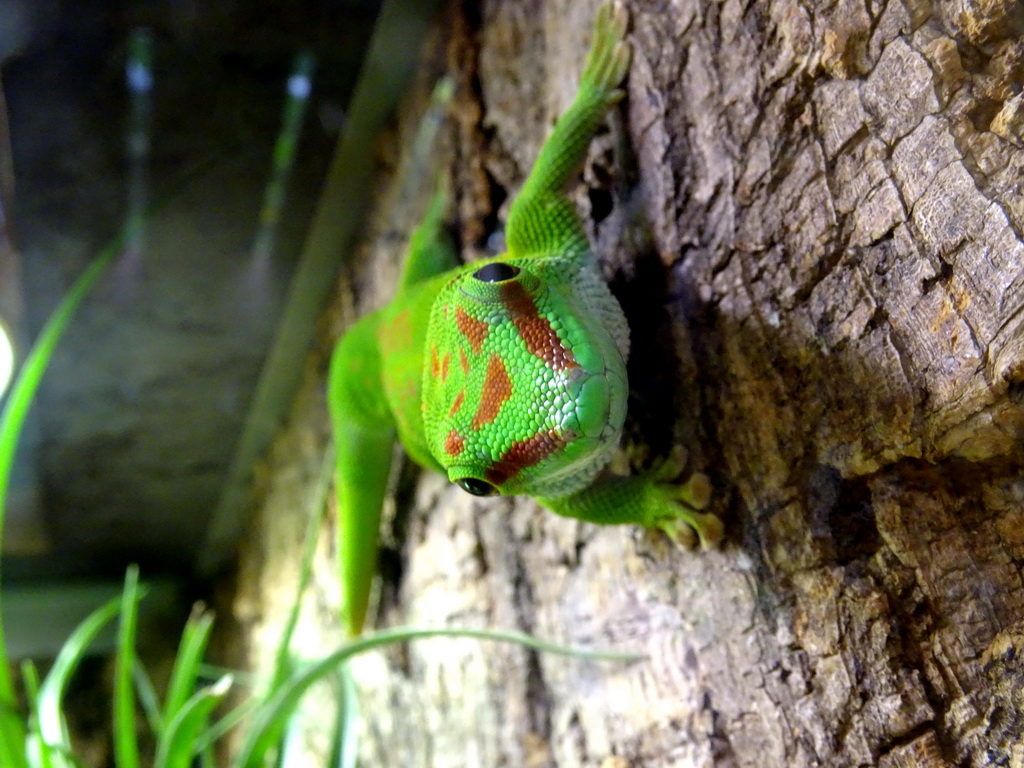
112 108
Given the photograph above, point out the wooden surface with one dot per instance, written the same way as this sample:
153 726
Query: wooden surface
813 218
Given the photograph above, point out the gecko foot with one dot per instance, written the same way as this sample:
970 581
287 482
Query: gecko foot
608 58
689 523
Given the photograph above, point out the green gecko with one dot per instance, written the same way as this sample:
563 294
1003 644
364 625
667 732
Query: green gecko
508 374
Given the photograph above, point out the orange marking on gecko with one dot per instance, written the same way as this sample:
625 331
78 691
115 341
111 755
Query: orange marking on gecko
525 453
444 366
538 335
457 404
435 364
474 330
454 444
496 390
463 361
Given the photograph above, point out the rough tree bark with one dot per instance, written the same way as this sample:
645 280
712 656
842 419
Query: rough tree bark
812 213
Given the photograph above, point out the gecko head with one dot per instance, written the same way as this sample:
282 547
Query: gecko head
524 389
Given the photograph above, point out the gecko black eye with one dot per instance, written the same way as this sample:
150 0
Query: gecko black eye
496 272
476 487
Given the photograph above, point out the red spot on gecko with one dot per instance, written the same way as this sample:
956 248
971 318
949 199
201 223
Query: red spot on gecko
457 405
435 364
454 443
538 335
474 330
496 390
524 453
463 361
444 366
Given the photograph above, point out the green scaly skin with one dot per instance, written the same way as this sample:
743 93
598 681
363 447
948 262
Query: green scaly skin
508 374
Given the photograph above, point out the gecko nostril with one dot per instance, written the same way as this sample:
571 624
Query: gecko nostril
496 272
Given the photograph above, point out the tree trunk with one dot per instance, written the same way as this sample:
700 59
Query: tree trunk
812 215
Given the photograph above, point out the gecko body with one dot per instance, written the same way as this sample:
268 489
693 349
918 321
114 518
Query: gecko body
508 375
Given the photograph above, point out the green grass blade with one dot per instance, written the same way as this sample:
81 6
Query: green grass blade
348 733
242 678
50 709
12 732
12 419
283 664
344 748
180 742
148 697
126 745
187 663
299 88
231 720
39 753
271 720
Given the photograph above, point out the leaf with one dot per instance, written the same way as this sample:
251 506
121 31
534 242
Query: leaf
271 719
49 709
126 744
187 663
180 741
